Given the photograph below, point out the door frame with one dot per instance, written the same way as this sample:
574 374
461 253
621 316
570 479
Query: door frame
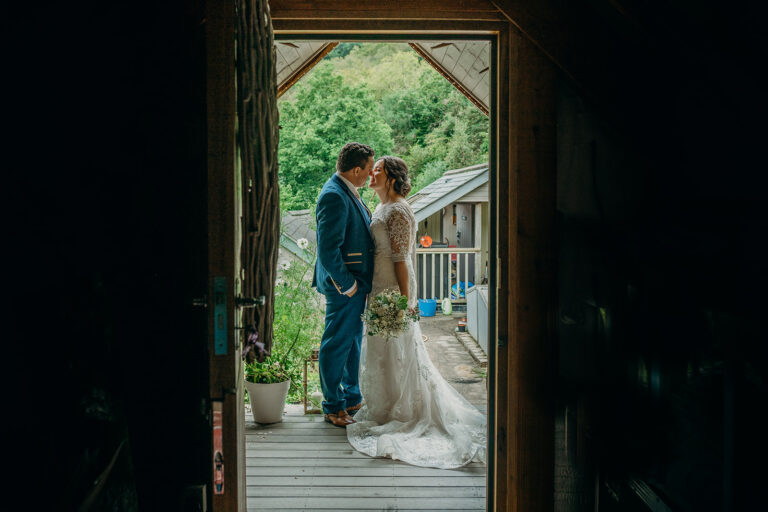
497 35
523 203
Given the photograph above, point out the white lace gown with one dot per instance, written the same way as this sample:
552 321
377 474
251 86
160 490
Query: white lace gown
410 412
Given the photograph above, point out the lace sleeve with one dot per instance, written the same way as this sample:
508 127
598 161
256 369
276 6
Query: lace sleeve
399 229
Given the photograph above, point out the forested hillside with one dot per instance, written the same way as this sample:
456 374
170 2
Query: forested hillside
381 94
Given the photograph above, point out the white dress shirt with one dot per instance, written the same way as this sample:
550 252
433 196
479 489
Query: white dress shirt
349 185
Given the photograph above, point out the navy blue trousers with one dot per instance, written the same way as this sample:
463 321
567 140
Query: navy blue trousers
340 352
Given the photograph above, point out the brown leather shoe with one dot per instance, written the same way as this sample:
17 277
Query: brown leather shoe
340 419
352 410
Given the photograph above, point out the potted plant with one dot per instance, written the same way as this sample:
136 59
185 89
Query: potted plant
267 380
267 384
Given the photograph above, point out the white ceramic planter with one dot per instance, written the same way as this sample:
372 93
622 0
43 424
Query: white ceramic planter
267 400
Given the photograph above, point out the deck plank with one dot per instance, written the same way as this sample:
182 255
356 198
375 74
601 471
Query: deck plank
362 462
327 444
365 481
362 492
277 462
249 425
294 437
306 454
341 503
381 470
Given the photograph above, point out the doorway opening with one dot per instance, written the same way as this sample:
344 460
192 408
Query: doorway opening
292 465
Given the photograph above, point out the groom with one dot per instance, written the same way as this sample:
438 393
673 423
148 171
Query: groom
343 273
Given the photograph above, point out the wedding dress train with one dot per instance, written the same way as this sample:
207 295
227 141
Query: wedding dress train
410 412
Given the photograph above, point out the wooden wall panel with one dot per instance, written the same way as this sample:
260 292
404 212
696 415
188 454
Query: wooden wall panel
503 194
433 227
395 9
480 194
387 28
531 278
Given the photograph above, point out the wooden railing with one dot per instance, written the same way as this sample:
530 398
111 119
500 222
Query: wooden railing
439 270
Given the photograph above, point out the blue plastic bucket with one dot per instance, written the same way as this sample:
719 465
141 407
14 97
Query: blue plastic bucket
427 307
462 287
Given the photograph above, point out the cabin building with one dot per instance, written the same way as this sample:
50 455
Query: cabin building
453 212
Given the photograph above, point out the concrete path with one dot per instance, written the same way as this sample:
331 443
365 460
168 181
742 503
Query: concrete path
453 361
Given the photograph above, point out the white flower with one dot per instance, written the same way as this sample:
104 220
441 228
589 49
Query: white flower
285 265
279 281
303 243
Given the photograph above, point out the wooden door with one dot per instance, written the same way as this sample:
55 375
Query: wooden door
227 486
464 233
243 221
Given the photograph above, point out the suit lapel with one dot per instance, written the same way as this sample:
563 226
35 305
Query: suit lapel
358 204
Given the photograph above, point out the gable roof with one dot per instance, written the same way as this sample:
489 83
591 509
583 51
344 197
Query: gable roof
465 64
447 189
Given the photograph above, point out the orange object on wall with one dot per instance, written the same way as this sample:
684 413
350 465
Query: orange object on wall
425 241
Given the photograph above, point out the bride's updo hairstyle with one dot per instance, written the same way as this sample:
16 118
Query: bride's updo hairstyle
397 174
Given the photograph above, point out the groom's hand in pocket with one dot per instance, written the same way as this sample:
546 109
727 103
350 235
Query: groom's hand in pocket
352 291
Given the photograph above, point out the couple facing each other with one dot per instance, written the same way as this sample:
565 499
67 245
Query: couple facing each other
410 412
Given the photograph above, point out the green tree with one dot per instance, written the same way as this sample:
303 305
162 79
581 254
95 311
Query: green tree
359 92
342 50
324 114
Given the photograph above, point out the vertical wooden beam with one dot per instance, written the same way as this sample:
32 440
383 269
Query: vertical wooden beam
500 222
222 222
531 272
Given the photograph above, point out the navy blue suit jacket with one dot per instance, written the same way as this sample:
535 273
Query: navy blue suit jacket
344 241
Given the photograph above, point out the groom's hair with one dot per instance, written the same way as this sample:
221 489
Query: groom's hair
352 155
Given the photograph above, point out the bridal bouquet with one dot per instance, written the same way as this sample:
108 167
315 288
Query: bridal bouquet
388 314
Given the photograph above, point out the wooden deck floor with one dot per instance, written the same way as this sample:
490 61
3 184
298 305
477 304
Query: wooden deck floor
304 463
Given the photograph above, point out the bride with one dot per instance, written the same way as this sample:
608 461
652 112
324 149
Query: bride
410 412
